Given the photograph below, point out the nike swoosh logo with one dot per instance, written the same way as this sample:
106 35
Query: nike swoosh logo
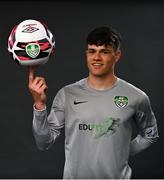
79 102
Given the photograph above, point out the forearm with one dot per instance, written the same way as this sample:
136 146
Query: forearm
42 130
139 144
143 140
47 128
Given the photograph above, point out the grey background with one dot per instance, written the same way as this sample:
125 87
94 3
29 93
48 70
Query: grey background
141 25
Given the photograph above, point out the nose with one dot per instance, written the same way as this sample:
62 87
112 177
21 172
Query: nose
97 56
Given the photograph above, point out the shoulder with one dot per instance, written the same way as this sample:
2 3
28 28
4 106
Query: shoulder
69 89
134 92
75 86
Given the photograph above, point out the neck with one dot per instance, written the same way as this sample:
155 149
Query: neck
101 83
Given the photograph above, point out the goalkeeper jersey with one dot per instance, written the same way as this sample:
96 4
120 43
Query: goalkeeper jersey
98 128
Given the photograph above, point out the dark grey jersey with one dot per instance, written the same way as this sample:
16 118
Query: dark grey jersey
98 128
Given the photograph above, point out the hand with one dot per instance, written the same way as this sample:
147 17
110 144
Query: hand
37 86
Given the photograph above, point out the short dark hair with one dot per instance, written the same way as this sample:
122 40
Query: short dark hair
104 36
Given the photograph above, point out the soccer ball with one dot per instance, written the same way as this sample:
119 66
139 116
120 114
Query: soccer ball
31 43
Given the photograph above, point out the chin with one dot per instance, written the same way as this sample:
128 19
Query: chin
98 74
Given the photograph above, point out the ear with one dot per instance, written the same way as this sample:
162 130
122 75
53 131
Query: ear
117 55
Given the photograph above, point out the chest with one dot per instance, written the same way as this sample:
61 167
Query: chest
85 107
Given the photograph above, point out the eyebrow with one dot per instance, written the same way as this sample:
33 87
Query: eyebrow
103 49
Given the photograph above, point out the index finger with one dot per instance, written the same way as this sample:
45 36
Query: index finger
31 73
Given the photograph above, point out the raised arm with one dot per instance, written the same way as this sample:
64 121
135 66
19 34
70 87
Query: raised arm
45 128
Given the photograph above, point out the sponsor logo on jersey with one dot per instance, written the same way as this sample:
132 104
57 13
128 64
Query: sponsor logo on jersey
33 50
121 101
105 128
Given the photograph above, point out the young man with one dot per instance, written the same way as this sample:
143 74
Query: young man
97 113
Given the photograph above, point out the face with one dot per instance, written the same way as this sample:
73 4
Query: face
101 60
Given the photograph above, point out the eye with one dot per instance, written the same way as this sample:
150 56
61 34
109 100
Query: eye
106 52
90 51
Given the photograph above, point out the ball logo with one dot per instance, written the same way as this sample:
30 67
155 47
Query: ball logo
33 50
121 101
30 29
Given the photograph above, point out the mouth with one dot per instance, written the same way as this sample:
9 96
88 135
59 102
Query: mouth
97 65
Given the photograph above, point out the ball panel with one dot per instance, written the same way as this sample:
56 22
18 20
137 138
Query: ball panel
33 63
12 38
22 55
29 30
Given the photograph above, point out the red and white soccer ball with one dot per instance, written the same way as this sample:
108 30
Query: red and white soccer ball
31 43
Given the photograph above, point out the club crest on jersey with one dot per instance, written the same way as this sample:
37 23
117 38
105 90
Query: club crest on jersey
30 29
33 50
121 101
